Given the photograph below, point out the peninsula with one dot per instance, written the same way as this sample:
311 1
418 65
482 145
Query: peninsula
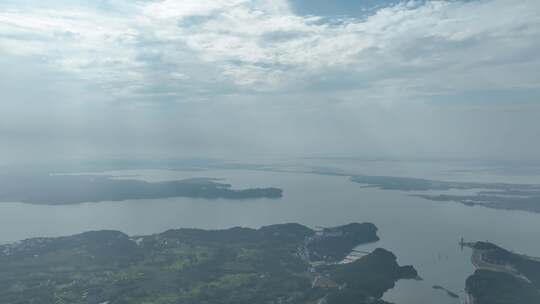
233 266
47 189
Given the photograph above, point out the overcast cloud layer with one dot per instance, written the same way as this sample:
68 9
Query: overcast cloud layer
229 78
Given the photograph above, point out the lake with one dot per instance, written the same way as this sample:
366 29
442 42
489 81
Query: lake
420 232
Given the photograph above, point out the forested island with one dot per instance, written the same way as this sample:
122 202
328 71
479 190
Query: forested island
239 265
503 277
48 189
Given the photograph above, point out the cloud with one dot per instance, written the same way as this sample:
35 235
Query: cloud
256 46
243 71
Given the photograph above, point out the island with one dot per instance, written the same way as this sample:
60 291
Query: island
503 200
49 189
524 197
234 266
502 277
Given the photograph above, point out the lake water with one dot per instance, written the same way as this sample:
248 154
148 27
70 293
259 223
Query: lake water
420 232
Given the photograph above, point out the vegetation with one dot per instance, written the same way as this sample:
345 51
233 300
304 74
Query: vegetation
378 272
73 189
237 265
490 287
516 282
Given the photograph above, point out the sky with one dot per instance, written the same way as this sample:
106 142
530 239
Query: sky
236 78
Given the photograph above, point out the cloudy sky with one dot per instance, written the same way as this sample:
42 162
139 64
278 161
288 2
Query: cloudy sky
231 78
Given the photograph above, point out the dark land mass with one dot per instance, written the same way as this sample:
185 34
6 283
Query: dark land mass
74 189
531 203
525 197
420 184
503 277
236 266
367 278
